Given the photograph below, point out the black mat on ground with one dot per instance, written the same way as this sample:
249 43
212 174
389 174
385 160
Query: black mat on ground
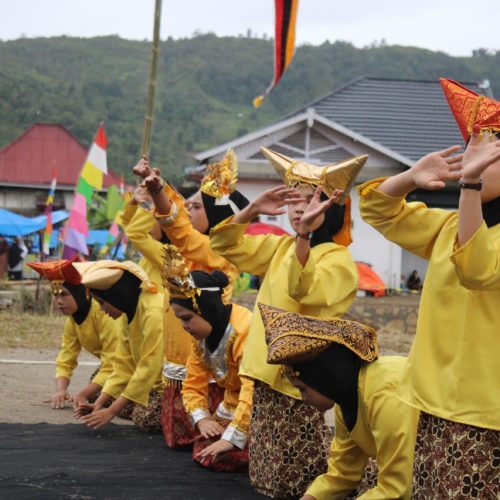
71 461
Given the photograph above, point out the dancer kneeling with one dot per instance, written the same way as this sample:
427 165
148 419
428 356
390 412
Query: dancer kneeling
123 288
220 332
87 327
335 361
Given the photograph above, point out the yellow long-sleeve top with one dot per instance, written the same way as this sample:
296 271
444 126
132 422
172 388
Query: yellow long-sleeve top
385 429
192 245
143 222
222 365
98 334
324 287
139 354
452 369
177 341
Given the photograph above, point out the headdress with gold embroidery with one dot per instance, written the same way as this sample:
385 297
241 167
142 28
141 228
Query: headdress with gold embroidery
295 338
330 177
176 277
469 108
221 180
103 274
57 272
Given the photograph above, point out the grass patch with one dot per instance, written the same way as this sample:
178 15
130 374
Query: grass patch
30 330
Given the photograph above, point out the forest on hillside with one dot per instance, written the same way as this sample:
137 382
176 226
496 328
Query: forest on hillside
205 87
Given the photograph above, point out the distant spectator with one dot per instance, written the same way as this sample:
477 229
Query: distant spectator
414 282
4 252
16 255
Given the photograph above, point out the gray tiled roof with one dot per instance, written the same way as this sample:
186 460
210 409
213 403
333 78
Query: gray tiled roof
410 117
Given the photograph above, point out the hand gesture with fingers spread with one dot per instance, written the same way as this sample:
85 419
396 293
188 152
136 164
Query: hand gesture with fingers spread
433 170
316 207
272 201
481 152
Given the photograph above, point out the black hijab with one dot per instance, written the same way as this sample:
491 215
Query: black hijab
83 301
210 304
124 294
491 212
334 220
218 213
334 374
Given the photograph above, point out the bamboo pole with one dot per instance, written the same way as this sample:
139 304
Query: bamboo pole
155 49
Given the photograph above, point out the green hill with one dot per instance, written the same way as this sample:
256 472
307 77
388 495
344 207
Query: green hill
205 87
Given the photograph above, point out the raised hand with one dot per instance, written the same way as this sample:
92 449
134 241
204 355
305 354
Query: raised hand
272 201
316 207
153 183
143 169
481 152
433 170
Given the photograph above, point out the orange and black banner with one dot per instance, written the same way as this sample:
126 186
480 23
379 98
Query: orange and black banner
284 42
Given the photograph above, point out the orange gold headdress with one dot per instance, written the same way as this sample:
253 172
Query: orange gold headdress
176 277
331 177
222 177
57 272
103 274
295 338
470 108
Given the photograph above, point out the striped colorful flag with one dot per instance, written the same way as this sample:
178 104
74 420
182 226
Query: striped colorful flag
91 177
48 213
284 42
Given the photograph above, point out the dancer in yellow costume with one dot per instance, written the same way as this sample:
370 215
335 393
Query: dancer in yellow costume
335 362
219 334
312 273
87 327
186 227
143 230
123 288
452 369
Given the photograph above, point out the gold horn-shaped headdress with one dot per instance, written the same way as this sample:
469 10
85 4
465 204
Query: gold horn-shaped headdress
103 274
222 176
330 177
176 277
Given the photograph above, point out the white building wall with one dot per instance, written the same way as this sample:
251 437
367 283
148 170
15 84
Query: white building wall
371 247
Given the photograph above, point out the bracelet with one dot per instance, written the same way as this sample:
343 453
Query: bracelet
170 218
476 186
305 236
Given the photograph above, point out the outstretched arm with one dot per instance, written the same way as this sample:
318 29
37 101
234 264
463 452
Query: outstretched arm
430 172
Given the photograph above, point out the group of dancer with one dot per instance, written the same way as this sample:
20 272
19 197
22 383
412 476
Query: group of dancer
248 391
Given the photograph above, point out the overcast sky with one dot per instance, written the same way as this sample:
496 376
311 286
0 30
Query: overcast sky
452 26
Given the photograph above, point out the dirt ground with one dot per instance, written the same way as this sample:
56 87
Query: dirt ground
29 345
28 380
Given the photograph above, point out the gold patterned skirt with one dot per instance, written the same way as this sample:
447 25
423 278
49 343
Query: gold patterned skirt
454 460
289 443
147 418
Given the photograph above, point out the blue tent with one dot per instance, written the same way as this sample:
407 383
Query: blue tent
12 224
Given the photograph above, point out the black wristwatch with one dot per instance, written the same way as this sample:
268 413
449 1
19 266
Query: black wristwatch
476 186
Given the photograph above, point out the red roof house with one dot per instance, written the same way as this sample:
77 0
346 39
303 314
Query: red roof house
29 159
26 166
